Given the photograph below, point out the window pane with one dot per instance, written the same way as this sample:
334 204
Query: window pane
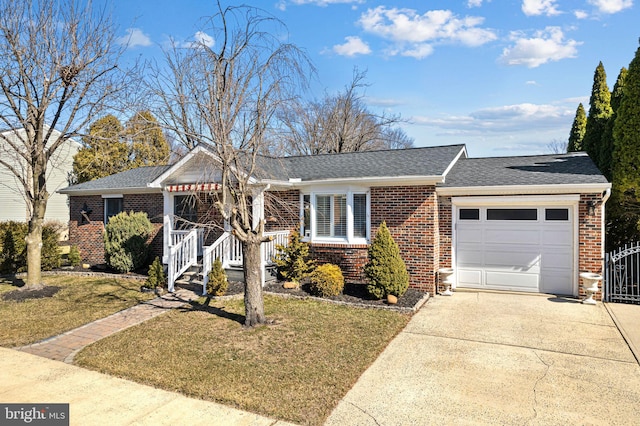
339 215
306 209
360 215
469 214
112 206
323 215
185 210
512 214
556 214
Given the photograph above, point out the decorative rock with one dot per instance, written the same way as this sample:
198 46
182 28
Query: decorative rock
290 285
391 299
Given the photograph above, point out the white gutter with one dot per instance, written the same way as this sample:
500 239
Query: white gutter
370 181
525 189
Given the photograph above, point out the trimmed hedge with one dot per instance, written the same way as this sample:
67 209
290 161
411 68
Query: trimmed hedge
125 241
327 280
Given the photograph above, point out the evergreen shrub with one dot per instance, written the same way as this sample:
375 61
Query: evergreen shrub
74 257
386 271
125 241
156 276
326 280
13 257
292 261
218 283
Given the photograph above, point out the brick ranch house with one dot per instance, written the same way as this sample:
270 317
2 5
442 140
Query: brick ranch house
524 223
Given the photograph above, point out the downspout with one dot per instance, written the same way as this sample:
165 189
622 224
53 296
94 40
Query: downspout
605 197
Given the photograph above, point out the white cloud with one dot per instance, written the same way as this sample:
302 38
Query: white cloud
546 45
412 32
504 119
611 6
531 83
580 14
282 5
353 46
200 38
134 38
474 3
540 7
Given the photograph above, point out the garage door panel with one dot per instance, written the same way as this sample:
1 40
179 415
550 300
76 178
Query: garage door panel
512 281
469 278
516 255
511 236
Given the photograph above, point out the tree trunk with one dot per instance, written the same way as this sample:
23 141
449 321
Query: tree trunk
34 246
253 301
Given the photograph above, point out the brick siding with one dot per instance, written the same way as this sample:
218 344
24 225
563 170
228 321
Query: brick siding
590 244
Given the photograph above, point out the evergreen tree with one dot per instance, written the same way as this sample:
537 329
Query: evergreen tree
606 145
624 208
386 271
104 151
599 113
146 141
577 130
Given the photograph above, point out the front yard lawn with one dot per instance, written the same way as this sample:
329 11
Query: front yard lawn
296 369
78 301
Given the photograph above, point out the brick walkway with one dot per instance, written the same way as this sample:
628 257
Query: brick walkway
65 346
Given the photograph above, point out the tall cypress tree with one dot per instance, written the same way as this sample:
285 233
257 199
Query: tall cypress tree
606 145
623 212
577 130
599 113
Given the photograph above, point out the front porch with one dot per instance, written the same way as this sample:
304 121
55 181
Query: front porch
186 250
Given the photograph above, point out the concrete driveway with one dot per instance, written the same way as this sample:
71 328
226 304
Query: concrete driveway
499 358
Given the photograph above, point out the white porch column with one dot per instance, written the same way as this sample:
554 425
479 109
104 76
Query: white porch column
258 215
167 211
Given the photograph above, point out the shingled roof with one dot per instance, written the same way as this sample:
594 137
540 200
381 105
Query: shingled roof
555 169
137 178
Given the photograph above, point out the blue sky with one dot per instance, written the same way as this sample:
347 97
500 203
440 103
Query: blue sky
502 76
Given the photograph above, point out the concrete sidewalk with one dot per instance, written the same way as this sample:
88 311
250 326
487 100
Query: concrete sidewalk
627 319
98 399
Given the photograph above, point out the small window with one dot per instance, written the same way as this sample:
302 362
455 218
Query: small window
512 214
112 206
360 215
306 219
556 214
469 214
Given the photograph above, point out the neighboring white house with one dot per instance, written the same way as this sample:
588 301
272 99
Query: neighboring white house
13 205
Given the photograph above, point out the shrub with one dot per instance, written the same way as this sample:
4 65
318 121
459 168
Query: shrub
13 257
125 241
156 276
217 284
386 271
293 261
327 280
74 256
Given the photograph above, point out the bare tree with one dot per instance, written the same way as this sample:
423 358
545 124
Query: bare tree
557 147
57 71
226 97
340 123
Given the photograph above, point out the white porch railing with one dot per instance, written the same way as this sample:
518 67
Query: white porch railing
228 249
182 255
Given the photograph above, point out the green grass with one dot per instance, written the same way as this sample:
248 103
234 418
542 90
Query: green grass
79 301
296 369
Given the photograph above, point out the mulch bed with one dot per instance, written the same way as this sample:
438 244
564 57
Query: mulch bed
22 295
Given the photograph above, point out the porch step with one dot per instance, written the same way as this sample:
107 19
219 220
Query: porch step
193 276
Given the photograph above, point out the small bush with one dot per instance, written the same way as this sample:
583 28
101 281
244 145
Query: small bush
218 283
156 276
125 241
327 280
74 256
386 271
292 261
13 257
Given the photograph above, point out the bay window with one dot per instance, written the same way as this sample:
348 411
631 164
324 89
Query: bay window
335 217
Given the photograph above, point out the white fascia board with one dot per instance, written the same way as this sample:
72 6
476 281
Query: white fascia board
110 192
455 160
362 181
534 200
587 188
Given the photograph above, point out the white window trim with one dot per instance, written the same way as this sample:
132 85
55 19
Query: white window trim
350 239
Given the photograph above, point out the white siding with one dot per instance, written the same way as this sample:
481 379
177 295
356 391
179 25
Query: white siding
13 205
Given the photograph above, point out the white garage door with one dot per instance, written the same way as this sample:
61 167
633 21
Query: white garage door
515 248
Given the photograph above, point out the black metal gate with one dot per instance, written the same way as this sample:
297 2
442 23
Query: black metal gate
622 274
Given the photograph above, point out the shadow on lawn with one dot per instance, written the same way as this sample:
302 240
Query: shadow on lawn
206 307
